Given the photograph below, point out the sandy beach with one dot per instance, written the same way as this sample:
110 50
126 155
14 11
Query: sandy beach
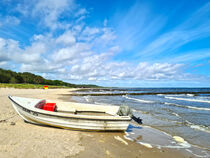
20 139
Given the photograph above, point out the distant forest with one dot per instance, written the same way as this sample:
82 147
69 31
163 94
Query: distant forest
8 76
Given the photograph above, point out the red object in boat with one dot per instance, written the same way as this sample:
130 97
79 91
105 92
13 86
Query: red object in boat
49 106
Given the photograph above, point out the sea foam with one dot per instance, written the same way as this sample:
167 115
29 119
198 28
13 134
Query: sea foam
187 99
146 144
138 100
197 127
189 107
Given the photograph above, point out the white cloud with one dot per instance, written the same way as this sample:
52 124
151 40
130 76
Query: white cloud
9 20
78 61
48 11
89 34
11 51
158 71
81 12
8 48
66 38
3 63
53 14
65 54
101 69
108 35
90 31
45 67
51 10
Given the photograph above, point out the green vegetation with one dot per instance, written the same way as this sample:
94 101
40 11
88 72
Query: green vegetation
13 79
27 86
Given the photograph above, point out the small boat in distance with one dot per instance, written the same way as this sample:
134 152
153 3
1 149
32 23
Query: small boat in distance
70 115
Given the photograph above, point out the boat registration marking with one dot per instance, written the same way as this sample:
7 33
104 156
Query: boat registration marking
30 112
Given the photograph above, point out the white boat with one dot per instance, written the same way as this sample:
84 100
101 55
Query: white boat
71 115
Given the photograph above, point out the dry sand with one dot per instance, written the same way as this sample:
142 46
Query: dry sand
22 140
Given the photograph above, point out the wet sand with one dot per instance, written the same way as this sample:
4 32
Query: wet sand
20 139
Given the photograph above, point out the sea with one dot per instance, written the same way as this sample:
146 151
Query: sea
181 116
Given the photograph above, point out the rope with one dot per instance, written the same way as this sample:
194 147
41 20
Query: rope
4 120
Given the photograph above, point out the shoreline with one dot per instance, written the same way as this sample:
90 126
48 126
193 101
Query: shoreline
119 94
146 131
25 139
169 140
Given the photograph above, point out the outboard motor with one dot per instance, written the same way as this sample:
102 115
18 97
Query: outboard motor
126 111
137 119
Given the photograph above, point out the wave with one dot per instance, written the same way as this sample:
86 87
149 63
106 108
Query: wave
189 107
187 99
160 94
175 114
174 95
145 144
196 155
190 95
197 108
200 128
138 100
197 127
88 99
181 141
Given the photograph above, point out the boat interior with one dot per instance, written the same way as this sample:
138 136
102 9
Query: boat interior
78 108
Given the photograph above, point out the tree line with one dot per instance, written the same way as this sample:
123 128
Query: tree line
8 76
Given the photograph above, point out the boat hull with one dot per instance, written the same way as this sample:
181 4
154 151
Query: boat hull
75 123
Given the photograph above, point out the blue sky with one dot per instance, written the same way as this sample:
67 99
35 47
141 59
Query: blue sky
111 43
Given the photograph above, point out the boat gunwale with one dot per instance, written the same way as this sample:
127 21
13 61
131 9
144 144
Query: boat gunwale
74 116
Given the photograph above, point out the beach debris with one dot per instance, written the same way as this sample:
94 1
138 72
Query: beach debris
146 144
121 140
12 123
181 141
126 137
2 121
107 152
178 139
139 137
